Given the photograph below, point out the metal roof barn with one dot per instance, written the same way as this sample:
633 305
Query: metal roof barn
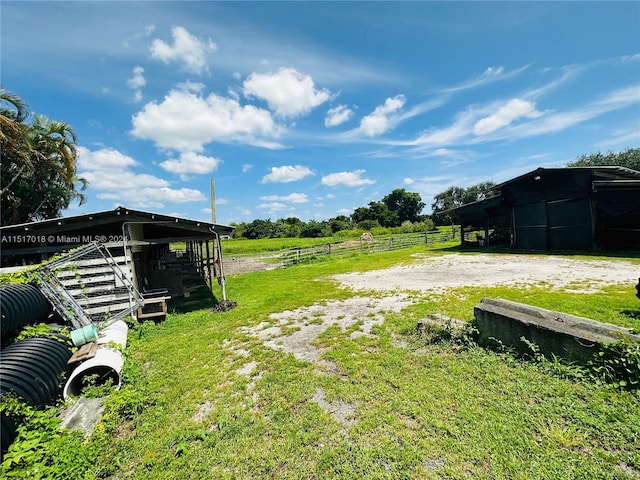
140 241
577 208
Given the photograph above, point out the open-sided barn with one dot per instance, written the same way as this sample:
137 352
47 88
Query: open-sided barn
576 208
140 241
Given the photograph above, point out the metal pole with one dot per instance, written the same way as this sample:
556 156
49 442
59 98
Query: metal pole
222 280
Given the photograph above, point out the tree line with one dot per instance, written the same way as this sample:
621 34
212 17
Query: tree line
397 212
38 181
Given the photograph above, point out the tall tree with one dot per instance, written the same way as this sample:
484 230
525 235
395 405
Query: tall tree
38 165
341 222
259 229
629 158
376 211
406 205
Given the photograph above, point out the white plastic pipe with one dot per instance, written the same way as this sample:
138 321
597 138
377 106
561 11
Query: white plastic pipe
107 363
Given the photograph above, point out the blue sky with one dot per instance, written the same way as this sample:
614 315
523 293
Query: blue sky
312 109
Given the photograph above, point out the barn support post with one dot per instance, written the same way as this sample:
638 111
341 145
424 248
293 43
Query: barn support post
210 271
221 279
486 231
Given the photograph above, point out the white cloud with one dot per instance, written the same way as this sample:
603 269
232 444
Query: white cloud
507 113
350 179
620 139
408 181
146 32
330 195
381 120
630 58
287 92
186 120
111 174
291 198
137 82
190 162
246 167
287 173
187 50
450 135
337 116
558 121
274 207
490 75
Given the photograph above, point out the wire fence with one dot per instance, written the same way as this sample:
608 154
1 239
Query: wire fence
267 261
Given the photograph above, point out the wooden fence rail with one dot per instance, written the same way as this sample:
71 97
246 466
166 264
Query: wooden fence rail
246 263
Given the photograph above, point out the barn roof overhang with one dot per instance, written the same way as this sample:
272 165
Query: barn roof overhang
616 185
166 225
109 227
604 173
476 212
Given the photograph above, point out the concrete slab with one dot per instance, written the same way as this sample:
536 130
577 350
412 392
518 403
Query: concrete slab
568 337
83 415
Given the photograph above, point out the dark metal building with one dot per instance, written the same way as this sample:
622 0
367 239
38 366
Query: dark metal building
142 241
574 208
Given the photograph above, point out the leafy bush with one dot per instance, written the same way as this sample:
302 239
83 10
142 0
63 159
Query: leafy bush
42 450
618 364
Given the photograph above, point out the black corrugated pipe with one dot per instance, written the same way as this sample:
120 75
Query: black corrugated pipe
21 304
32 369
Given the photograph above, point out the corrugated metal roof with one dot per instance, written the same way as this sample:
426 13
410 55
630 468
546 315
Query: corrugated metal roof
610 172
120 214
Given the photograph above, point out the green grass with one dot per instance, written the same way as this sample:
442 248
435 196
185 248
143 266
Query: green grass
423 410
242 245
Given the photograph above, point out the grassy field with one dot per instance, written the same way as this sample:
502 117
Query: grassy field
203 397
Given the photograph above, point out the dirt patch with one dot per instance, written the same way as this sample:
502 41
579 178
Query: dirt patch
343 412
248 264
457 270
296 330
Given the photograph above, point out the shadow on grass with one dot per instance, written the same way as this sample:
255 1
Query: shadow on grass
634 314
199 299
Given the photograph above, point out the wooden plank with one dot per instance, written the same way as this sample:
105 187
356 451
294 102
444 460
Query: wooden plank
95 291
71 275
107 308
99 299
96 261
85 352
159 301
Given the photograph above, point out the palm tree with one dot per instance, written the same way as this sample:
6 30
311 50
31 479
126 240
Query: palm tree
15 150
38 164
54 152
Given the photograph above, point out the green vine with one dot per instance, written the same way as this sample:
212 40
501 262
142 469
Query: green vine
618 364
43 450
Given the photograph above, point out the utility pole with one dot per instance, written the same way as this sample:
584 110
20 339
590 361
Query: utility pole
213 201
